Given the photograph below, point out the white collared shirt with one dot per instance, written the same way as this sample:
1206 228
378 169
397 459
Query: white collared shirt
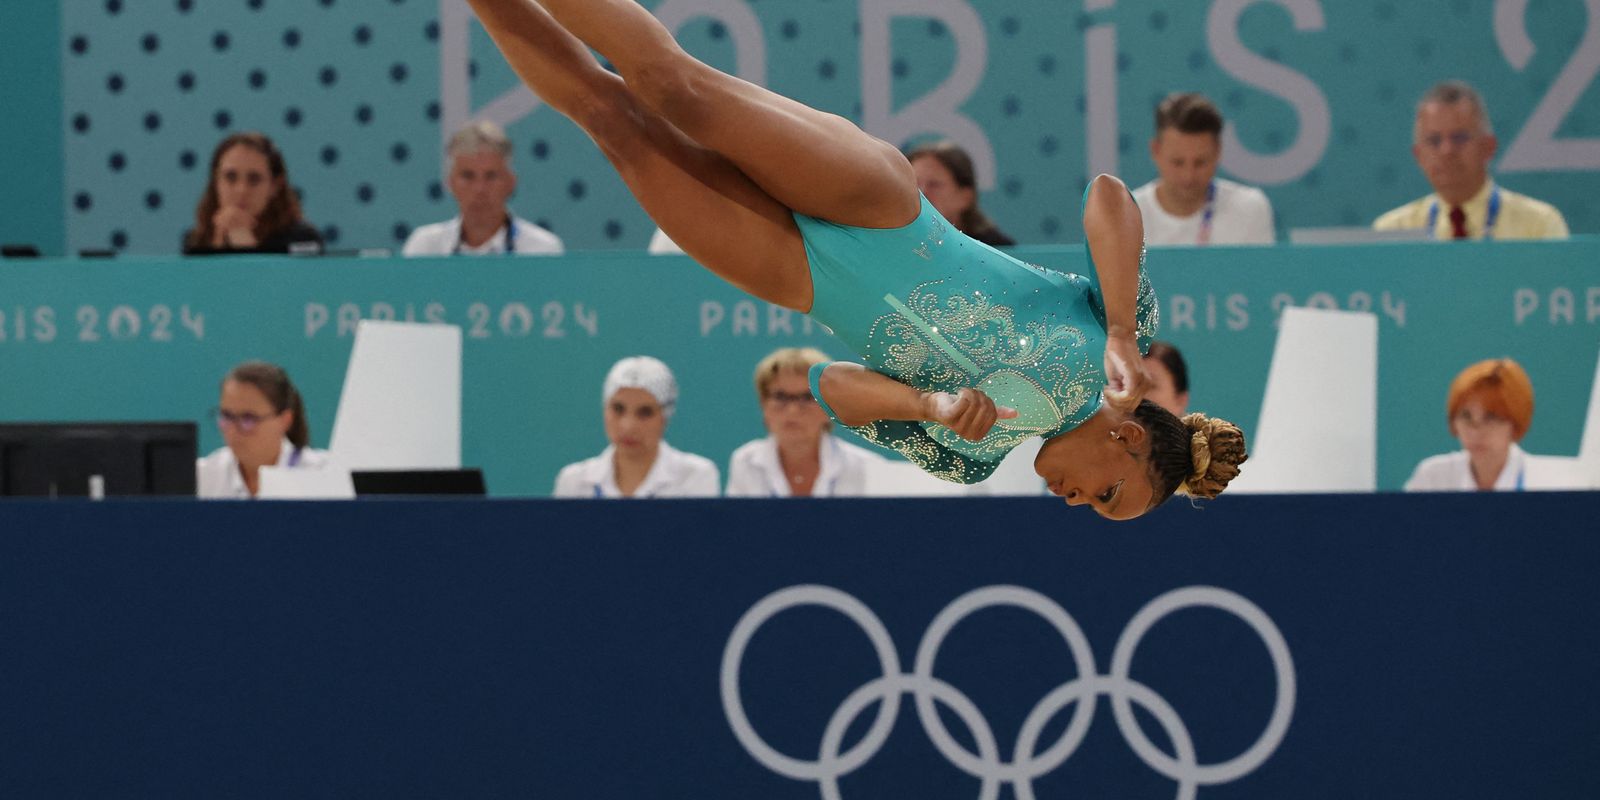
1241 215
1452 472
756 471
444 238
217 476
674 474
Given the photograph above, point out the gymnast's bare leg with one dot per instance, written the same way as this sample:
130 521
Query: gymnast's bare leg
717 162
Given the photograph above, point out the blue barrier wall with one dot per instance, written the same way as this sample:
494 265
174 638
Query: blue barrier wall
151 338
1408 646
1319 95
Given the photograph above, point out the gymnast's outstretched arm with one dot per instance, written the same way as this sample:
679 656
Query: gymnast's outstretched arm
1115 233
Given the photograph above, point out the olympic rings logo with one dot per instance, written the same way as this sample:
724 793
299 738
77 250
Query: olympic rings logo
1026 763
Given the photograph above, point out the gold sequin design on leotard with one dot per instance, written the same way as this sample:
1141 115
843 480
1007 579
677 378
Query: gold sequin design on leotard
925 453
943 342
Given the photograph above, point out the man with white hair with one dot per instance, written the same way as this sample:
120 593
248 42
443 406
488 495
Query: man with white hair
638 399
481 179
1453 144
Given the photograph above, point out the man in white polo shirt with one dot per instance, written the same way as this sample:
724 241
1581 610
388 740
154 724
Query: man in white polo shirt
481 180
1188 204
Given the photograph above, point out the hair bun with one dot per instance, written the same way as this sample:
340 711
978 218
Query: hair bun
1216 449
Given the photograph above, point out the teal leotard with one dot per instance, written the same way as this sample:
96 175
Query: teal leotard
935 309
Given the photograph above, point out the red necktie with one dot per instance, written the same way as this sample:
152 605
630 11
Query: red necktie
1458 223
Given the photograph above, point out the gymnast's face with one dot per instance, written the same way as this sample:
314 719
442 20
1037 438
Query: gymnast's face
635 422
1086 466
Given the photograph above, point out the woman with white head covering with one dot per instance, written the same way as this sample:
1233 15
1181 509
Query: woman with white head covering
639 397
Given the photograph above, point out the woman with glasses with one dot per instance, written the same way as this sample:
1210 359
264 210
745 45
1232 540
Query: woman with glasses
263 423
1489 410
637 401
798 457
968 352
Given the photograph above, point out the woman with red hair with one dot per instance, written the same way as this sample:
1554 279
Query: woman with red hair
1489 410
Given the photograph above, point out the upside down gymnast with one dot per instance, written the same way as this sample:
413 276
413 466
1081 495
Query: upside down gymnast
968 352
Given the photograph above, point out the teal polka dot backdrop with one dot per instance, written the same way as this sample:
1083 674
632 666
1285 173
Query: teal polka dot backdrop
1318 97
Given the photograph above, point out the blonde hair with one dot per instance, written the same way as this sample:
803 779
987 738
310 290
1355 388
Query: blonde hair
1216 449
797 360
1195 456
1504 387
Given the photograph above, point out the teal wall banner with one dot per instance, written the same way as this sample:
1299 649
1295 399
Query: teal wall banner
152 338
31 137
1319 97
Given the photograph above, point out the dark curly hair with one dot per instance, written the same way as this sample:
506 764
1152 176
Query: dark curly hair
1195 456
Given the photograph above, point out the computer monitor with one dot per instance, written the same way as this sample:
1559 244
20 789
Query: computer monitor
77 459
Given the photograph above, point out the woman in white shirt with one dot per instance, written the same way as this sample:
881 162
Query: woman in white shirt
263 422
1489 409
798 458
638 399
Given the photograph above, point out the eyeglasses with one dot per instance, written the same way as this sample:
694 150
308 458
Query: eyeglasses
1459 139
243 423
1488 420
778 399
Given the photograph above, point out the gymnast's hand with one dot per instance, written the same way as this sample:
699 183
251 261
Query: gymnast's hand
970 413
1126 380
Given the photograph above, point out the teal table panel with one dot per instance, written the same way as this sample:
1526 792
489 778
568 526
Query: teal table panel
151 338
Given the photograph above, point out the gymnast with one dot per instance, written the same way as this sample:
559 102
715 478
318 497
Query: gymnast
969 352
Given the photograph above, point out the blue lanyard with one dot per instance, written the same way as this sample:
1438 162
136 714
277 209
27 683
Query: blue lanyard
1522 478
1488 222
1211 211
511 238
294 458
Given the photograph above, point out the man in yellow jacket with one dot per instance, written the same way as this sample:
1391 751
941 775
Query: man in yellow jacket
1453 144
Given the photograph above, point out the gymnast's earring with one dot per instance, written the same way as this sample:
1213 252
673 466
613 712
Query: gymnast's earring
1115 436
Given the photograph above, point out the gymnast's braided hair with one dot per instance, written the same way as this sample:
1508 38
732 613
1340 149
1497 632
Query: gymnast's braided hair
1195 456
